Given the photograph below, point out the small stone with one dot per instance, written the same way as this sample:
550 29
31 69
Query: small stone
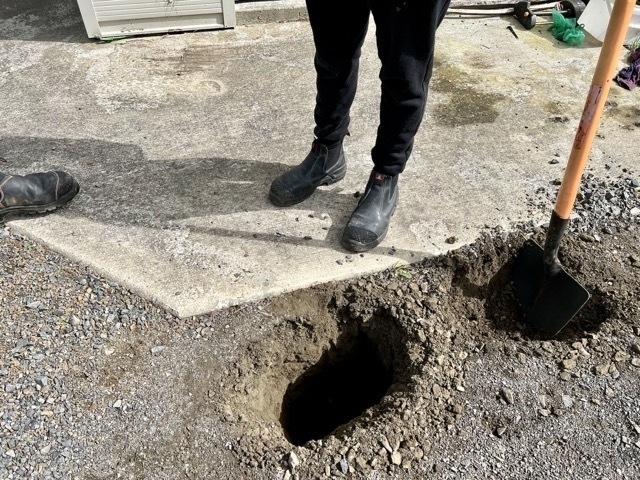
10 453
585 237
635 211
565 376
457 409
117 404
568 364
507 395
157 349
42 381
396 458
500 431
361 463
386 445
344 466
554 161
287 475
548 347
522 358
46 449
109 350
437 390
568 401
635 361
451 240
544 412
621 356
601 369
294 461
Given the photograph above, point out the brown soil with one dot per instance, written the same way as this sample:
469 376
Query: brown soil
473 388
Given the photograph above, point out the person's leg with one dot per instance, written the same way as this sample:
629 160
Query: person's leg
339 28
405 34
35 193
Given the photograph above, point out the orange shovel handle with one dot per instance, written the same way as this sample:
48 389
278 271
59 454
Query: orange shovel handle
600 85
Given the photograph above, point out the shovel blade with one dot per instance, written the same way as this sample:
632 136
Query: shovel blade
548 302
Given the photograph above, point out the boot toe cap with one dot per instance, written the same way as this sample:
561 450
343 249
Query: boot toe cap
67 186
359 239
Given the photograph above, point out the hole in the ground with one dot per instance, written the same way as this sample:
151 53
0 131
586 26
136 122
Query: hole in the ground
349 378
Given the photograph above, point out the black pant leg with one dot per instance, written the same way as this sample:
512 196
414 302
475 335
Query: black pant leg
339 28
405 34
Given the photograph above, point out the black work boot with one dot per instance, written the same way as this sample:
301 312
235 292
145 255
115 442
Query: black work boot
35 193
321 167
369 222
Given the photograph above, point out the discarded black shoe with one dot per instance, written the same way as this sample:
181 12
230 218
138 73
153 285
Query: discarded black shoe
35 193
321 167
369 222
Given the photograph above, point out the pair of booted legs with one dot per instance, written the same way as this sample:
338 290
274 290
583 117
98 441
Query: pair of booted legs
405 37
35 193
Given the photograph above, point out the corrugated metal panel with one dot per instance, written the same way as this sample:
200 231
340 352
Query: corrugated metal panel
113 18
119 10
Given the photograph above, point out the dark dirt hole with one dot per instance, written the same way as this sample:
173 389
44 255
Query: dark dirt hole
349 378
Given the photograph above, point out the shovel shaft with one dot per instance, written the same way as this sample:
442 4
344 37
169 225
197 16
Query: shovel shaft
600 85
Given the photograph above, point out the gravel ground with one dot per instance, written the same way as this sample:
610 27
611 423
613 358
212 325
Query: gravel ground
98 383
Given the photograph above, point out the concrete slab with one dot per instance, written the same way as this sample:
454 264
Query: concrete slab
176 138
251 12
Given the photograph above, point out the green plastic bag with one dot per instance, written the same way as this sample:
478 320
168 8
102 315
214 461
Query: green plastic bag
565 29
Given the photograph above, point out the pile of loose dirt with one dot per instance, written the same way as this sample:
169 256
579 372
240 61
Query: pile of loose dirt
467 383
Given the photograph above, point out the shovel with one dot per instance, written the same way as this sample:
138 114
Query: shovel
548 296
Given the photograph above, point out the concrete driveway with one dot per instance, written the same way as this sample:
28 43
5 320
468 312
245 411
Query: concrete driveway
176 138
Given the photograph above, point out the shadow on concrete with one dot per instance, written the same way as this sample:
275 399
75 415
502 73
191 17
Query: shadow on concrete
45 21
121 187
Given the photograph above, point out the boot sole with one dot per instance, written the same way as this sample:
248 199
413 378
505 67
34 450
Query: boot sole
328 180
35 209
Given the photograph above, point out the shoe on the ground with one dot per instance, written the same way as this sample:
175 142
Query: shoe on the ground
322 166
369 222
35 193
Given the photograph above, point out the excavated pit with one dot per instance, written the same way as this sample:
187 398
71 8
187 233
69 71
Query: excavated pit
327 368
349 378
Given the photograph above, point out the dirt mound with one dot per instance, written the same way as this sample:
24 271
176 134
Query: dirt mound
376 374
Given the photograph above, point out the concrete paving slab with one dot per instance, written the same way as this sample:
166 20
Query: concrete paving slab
176 138
251 12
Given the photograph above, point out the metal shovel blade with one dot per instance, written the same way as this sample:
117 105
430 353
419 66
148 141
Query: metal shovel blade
548 302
